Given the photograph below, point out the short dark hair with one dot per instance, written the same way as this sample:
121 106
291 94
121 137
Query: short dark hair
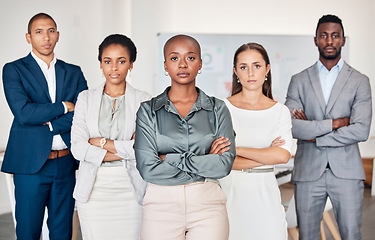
120 40
236 86
329 19
37 17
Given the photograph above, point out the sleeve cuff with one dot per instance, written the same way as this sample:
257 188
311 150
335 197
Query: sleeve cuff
319 141
120 151
50 126
65 108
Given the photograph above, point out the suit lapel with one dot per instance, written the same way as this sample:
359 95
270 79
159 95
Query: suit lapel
340 82
315 82
35 70
60 78
93 113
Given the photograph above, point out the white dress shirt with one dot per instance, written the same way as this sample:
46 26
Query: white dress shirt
50 75
328 77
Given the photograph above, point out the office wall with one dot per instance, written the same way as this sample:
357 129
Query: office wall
84 23
273 17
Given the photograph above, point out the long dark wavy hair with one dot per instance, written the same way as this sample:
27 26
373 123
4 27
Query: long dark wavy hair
237 87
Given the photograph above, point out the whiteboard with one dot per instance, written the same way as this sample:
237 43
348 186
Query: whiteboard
289 54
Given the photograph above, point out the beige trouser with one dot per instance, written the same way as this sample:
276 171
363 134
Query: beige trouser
193 211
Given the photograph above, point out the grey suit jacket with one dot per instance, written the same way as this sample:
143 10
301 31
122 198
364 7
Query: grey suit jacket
350 97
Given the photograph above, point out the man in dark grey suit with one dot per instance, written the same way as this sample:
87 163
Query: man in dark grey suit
331 107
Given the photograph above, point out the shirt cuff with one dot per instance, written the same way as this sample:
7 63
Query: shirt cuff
50 126
65 108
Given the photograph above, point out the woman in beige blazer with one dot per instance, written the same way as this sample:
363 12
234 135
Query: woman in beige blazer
109 189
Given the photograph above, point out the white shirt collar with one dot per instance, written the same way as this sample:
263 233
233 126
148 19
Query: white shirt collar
41 63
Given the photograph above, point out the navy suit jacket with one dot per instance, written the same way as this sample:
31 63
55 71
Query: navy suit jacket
26 92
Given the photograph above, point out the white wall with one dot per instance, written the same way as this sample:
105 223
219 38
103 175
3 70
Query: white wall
83 24
288 17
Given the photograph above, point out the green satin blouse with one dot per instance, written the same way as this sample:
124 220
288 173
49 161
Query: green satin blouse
185 141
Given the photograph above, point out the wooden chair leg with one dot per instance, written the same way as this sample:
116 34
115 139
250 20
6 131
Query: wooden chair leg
331 226
293 232
322 232
75 225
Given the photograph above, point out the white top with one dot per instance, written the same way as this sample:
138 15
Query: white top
258 128
50 75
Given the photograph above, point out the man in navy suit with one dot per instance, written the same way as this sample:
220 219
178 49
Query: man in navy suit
41 92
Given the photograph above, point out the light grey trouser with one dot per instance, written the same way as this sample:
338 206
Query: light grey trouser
346 196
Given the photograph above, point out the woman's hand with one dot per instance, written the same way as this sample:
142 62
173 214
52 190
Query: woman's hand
95 141
220 145
277 142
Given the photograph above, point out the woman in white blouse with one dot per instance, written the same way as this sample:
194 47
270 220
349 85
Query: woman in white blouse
109 189
263 139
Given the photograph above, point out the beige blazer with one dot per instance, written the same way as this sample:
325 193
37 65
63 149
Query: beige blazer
85 126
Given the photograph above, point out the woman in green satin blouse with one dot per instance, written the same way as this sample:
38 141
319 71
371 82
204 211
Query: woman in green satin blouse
184 141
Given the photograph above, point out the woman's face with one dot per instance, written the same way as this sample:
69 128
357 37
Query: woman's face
182 61
115 64
251 69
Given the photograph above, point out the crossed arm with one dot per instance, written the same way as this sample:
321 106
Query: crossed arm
28 112
88 148
334 132
219 146
255 157
336 123
109 146
24 109
182 167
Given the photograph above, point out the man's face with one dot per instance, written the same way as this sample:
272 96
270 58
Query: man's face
329 40
43 37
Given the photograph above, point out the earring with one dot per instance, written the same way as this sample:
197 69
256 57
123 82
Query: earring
166 73
238 80
266 79
130 72
199 71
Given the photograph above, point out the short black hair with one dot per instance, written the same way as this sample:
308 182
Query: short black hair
329 19
37 17
120 40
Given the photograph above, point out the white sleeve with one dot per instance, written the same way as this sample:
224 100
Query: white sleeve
81 149
285 128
